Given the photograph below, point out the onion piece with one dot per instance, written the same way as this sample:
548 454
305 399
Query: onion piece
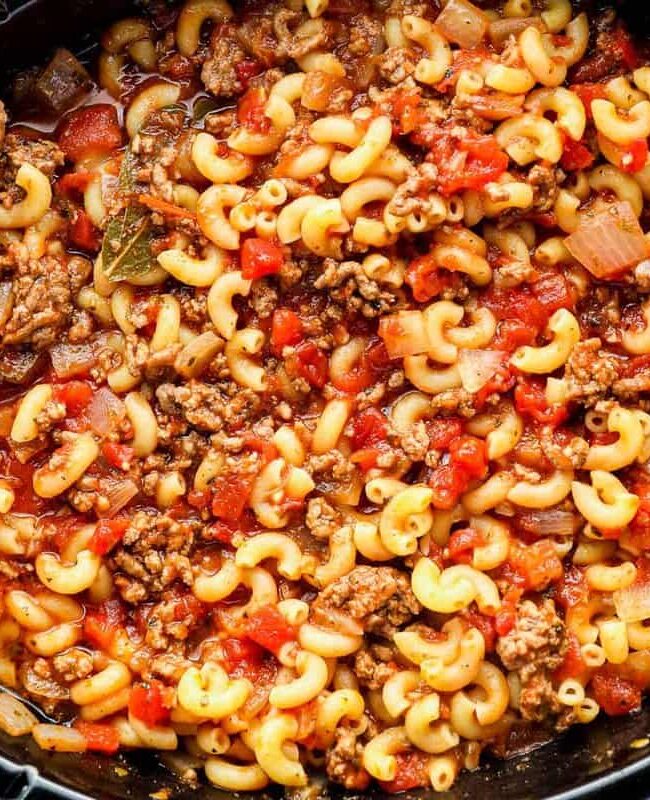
476 367
15 718
59 738
119 495
69 360
637 668
462 23
404 334
552 522
500 30
105 412
633 603
608 242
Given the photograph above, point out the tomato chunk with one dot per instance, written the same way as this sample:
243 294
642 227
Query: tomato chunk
530 400
89 131
573 665
83 233
260 257
369 428
411 773
151 703
102 622
462 543
231 493
250 111
286 329
613 693
311 363
107 534
119 456
100 737
576 155
268 628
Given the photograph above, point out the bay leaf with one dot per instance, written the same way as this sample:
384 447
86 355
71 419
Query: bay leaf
126 249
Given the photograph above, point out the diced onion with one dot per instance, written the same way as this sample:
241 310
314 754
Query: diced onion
476 367
637 668
69 360
404 334
553 522
633 603
462 23
119 495
609 242
59 738
15 718
105 412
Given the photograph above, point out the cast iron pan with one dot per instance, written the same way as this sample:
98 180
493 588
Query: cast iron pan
607 759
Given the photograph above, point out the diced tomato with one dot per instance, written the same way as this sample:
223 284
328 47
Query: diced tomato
369 428
220 532
406 112
573 665
588 92
448 483
613 693
259 257
100 737
74 182
89 131
83 233
442 431
513 333
365 371
250 111
423 278
576 155
241 653
505 620
107 534
410 774
516 303
572 587
264 447
530 400
200 499
247 69
268 628
466 163
625 48
639 528
485 625
630 157
75 395
230 495
119 456
553 291
469 453
102 622
311 363
462 543
151 703
532 566
286 330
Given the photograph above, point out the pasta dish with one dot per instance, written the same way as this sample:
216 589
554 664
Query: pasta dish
324 387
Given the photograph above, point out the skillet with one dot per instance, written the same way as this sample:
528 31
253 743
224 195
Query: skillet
606 759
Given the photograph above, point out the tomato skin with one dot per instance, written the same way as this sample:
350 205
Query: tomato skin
259 257
100 737
75 395
576 155
90 130
119 456
462 543
615 695
311 364
250 111
151 703
107 534
102 622
442 431
411 773
286 329
572 588
369 428
230 496
530 400
268 628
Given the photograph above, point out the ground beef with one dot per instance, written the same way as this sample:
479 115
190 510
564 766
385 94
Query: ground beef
344 760
43 290
207 406
153 554
397 64
40 153
322 519
296 46
544 180
590 372
534 648
72 665
413 196
257 36
348 285
379 597
219 73
374 664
